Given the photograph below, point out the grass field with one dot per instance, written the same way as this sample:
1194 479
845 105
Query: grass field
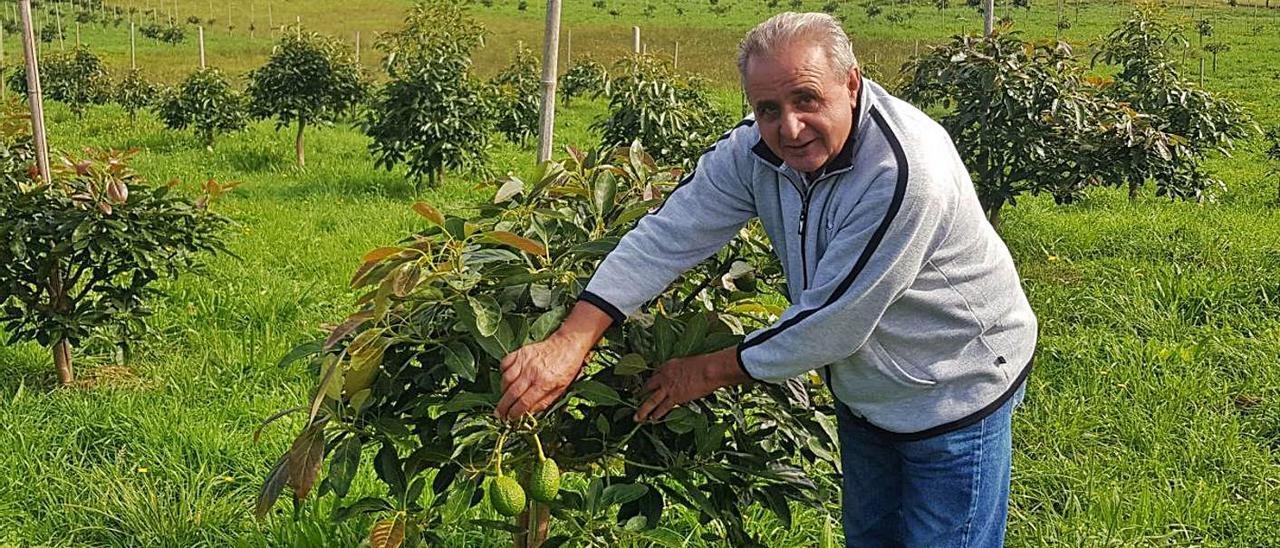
1153 417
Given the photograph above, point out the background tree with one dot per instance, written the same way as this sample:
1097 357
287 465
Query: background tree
205 102
673 116
587 77
83 252
309 78
134 93
431 115
77 78
517 92
1026 120
1200 121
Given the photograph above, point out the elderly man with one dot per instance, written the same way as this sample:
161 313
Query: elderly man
903 298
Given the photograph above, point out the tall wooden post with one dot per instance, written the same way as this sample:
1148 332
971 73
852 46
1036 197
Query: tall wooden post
568 48
357 47
675 58
62 348
988 17
200 38
550 58
635 39
62 41
133 49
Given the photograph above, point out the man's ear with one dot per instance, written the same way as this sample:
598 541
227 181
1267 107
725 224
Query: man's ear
854 83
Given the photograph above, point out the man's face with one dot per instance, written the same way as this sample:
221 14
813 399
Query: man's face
804 107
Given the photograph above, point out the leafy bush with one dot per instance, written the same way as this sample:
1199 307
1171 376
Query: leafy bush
672 116
585 78
410 381
432 115
1272 153
84 251
309 78
206 103
1200 120
169 34
134 93
517 92
77 78
1025 119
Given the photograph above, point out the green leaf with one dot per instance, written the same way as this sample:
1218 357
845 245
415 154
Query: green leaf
630 364
303 350
606 188
596 392
546 323
460 361
622 493
510 189
343 465
488 314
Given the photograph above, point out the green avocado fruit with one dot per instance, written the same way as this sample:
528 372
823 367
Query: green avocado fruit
506 496
544 481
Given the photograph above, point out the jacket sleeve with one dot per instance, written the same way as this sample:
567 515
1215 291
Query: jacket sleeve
875 255
704 212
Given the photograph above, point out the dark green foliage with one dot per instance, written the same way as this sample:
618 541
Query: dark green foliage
168 34
672 115
517 92
1200 121
585 78
134 93
77 78
1272 153
415 370
432 114
309 78
206 103
83 253
1026 120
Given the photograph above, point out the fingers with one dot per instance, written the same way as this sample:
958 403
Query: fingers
525 404
665 407
513 393
653 402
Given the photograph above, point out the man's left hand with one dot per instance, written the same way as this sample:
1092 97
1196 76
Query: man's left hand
683 380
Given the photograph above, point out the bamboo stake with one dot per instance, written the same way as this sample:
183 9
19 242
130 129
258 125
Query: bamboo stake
550 56
357 47
200 37
133 49
988 18
675 59
635 39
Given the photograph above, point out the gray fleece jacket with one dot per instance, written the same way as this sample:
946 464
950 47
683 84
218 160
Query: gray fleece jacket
902 295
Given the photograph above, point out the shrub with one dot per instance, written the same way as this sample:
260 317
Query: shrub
206 103
587 77
134 93
517 96
77 78
432 115
309 78
410 381
671 115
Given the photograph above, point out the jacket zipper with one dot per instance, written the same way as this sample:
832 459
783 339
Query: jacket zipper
805 195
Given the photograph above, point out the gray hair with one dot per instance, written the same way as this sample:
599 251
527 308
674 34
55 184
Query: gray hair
788 28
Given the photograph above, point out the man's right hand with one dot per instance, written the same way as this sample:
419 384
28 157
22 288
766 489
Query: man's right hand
534 376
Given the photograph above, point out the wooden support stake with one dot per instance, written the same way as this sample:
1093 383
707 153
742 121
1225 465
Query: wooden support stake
635 39
675 59
133 49
550 56
357 47
988 18
200 37
62 42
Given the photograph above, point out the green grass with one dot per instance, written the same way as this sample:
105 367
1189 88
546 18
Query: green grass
1153 416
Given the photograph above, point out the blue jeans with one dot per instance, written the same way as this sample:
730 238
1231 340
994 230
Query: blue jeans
949 490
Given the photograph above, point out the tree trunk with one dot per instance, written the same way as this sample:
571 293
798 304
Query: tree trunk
535 526
302 123
1134 186
993 215
62 347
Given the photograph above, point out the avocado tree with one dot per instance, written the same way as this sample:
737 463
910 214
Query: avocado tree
77 78
432 114
134 93
83 251
587 77
408 383
517 96
205 102
309 79
1025 119
673 116
1200 122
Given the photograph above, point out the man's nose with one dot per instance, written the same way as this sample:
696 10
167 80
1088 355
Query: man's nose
791 126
